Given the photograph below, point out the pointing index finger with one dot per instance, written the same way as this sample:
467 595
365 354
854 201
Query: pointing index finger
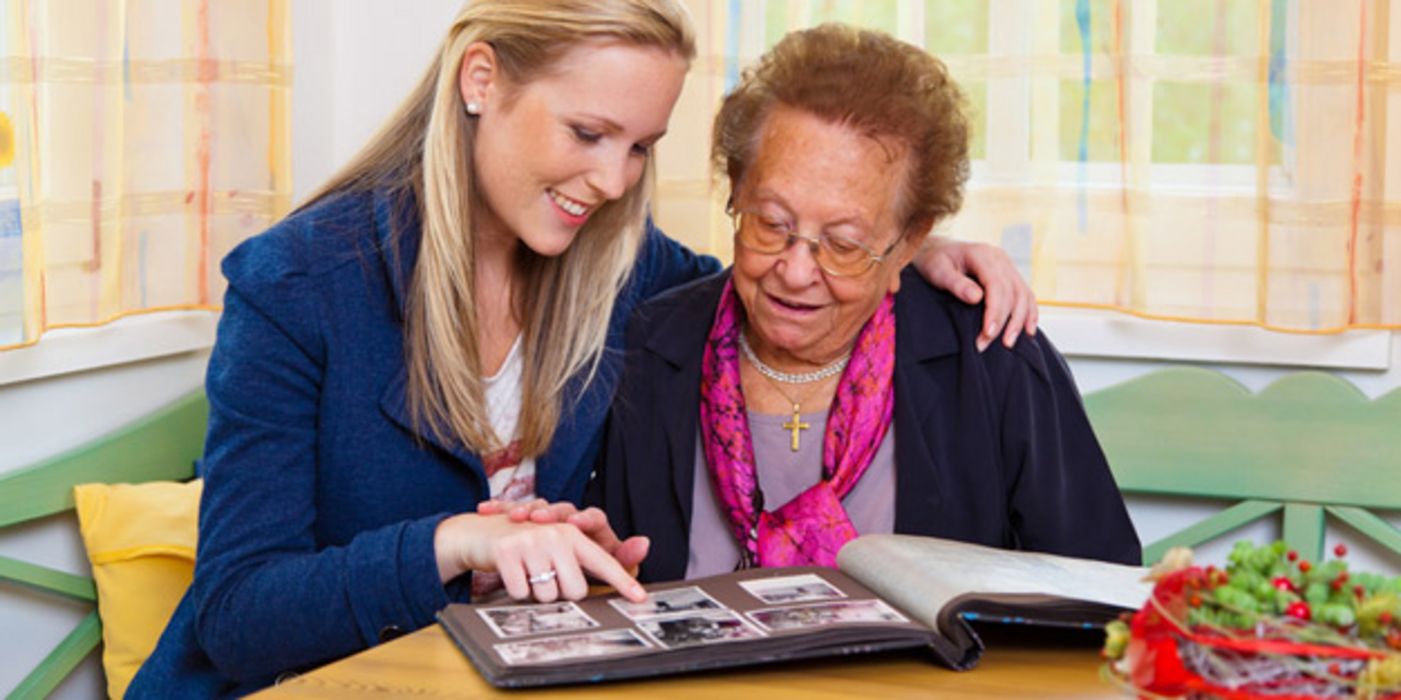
602 566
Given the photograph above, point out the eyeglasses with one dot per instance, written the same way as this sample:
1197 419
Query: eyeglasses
834 253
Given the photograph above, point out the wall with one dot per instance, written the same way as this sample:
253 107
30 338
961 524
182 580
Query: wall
355 60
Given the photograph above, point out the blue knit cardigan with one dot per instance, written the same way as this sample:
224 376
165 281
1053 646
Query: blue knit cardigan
321 497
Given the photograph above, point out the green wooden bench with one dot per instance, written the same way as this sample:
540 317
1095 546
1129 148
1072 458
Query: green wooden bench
161 446
1308 446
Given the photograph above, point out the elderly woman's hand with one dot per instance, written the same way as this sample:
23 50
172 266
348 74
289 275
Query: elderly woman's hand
537 510
972 271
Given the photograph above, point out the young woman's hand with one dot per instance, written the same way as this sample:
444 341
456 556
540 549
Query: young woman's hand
973 271
591 521
544 561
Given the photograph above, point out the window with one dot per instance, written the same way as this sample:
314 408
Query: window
1207 160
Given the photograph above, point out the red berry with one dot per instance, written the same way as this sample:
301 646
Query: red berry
1284 584
1340 550
1299 609
1337 584
1304 566
1359 591
1292 555
1385 617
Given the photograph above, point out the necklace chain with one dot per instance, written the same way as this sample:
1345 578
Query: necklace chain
803 378
795 425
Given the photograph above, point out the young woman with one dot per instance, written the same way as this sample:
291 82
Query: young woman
436 327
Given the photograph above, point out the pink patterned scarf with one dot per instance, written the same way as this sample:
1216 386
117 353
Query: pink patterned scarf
809 529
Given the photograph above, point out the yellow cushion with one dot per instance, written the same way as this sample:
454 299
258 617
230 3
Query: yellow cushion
141 542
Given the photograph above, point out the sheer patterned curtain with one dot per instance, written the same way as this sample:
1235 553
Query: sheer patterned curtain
1219 161
140 140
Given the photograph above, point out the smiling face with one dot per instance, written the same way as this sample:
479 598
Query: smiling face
550 152
819 177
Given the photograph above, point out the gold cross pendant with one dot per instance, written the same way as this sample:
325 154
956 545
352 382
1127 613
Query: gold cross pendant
795 425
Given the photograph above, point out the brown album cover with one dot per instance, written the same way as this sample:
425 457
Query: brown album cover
890 592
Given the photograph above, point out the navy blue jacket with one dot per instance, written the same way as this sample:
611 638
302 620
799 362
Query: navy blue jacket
320 497
992 448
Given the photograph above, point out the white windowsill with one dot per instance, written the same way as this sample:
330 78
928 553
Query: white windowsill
1077 333
1107 334
132 339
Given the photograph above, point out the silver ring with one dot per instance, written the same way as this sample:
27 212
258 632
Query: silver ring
545 576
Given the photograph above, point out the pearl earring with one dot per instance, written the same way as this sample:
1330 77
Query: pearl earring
474 108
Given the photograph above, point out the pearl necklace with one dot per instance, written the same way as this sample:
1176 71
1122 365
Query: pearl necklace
786 378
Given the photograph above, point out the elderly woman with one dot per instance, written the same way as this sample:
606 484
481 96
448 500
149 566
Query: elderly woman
770 413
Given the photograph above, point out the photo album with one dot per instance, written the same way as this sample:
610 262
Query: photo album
888 592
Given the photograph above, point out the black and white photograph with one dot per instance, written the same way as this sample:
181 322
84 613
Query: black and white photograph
571 647
844 612
668 602
702 628
522 620
792 589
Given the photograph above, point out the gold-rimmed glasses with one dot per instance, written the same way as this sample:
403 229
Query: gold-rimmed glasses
835 254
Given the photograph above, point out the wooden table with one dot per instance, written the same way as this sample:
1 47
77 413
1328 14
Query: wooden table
1019 664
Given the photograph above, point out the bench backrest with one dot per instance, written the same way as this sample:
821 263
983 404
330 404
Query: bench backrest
1310 445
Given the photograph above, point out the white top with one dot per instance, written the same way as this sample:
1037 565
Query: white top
511 478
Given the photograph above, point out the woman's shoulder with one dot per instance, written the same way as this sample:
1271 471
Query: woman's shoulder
686 303
309 242
689 295
940 323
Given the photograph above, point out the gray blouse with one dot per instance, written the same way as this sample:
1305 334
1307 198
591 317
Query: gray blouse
783 474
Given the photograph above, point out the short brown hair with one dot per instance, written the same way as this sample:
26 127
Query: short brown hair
867 80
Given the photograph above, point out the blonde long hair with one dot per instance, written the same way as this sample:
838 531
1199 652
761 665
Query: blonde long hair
564 302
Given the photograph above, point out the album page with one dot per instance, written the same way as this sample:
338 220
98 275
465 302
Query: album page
945 584
747 617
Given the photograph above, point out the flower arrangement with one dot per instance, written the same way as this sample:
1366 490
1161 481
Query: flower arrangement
1270 625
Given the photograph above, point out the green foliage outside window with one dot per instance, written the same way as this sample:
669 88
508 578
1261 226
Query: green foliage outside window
1194 121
